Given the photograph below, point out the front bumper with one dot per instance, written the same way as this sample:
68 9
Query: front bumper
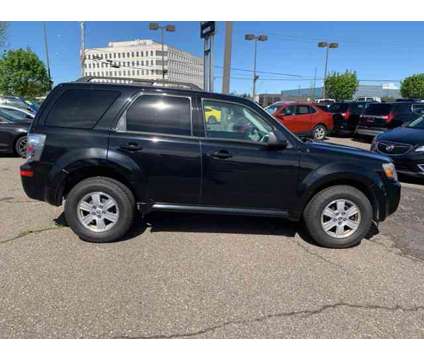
392 195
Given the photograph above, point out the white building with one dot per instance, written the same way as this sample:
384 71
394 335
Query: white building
143 59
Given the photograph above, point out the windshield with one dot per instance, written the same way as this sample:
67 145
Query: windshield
417 123
271 109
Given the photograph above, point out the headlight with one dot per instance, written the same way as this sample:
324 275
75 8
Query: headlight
390 171
420 148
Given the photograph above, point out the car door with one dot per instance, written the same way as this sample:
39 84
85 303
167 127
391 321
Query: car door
239 169
303 119
287 116
156 133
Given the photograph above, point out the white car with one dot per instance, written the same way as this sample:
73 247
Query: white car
369 99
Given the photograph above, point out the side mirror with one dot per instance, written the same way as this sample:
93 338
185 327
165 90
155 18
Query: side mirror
275 143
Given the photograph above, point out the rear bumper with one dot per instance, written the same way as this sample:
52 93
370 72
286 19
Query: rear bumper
37 186
342 126
362 130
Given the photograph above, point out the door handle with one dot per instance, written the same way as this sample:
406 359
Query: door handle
221 154
131 146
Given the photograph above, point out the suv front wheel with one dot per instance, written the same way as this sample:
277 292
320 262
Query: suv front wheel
338 217
100 209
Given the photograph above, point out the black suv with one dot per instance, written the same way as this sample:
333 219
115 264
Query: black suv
346 116
380 117
112 150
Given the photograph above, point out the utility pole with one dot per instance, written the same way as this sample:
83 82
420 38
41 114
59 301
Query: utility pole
227 57
315 83
82 47
46 49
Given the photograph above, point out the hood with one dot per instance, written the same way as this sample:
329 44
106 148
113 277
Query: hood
403 135
347 151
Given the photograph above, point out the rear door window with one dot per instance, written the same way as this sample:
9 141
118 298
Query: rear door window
160 114
81 108
302 109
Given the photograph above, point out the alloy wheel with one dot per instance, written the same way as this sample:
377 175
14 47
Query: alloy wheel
21 146
98 211
319 133
340 218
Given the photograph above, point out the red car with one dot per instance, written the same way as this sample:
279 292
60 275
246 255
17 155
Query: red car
303 118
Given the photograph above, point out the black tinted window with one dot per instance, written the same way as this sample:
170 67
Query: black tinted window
357 108
160 114
81 108
402 108
339 107
378 109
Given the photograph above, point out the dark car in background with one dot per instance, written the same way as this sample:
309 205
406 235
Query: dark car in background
380 117
405 146
346 116
13 134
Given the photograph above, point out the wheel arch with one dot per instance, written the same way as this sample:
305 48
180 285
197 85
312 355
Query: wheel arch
371 187
128 173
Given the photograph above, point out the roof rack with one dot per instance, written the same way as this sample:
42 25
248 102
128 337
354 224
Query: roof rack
136 81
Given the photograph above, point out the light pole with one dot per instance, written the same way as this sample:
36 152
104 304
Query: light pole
255 38
162 28
46 49
327 46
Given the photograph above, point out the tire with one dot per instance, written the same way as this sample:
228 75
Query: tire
319 132
328 199
113 223
20 146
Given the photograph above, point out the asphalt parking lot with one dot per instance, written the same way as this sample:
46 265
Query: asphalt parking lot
206 276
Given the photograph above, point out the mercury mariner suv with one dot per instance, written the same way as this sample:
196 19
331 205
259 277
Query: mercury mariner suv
111 149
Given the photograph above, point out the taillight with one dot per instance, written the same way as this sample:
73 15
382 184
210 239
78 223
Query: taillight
346 115
35 146
388 118
27 173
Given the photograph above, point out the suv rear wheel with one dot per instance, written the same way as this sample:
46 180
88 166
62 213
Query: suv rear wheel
100 209
338 217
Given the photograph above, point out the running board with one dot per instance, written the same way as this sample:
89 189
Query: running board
213 210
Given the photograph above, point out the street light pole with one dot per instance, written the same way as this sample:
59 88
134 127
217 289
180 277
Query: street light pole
255 39
162 28
163 56
82 44
327 46
46 49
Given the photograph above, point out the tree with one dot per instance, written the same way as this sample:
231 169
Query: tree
3 32
341 86
22 73
413 86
